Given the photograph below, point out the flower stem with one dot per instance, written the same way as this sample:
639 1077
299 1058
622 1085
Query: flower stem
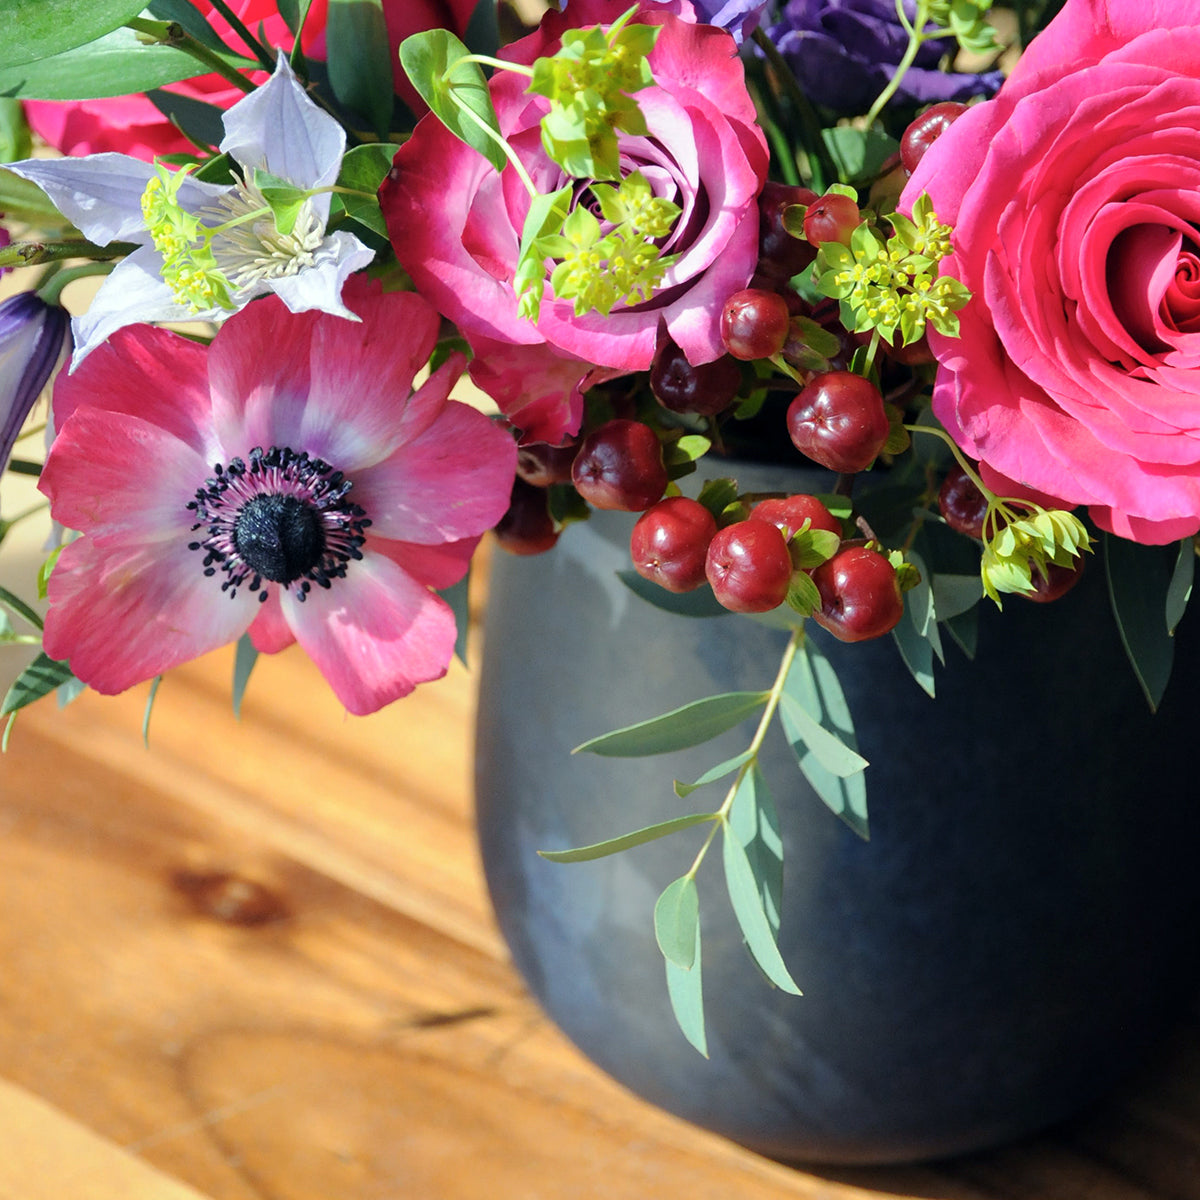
171 33
52 289
34 254
235 23
915 40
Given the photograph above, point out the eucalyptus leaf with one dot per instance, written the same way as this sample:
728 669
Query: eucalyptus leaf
627 840
754 821
1179 591
429 60
244 658
687 998
699 603
956 594
746 897
38 679
1139 581
37 29
360 64
916 650
813 685
690 725
115 65
720 771
676 919
456 597
807 734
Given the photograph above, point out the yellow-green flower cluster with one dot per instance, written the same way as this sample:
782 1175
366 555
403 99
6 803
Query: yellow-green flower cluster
894 286
1014 546
588 83
599 270
189 266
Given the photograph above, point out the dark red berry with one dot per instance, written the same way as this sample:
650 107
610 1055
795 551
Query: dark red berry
831 218
620 466
860 596
706 389
527 527
669 543
925 130
754 323
781 254
1056 581
541 464
963 505
839 421
749 567
789 513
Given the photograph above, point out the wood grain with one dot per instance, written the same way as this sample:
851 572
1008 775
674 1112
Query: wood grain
256 960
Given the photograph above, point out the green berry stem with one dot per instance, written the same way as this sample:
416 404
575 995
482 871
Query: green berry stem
486 60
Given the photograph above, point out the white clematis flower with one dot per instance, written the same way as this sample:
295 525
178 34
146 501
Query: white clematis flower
276 129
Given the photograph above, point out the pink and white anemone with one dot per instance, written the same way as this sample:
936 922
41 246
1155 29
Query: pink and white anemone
456 223
286 481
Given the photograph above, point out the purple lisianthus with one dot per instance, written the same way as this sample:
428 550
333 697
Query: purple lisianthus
739 17
844 52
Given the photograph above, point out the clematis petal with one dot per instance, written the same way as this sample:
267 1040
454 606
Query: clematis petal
320 286
374 636
123 614
278 127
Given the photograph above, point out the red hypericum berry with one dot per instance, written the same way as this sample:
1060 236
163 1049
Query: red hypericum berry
749 567
541 464
754 323
790 513
669 543
831 218
527 527
925 130
839 421
1056 581
780 254
860 596
963 505
706 389
620 466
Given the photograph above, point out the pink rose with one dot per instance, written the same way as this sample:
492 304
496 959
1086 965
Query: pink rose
1075 201
133 125
456 223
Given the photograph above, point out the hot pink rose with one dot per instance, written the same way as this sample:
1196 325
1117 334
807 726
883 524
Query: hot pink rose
133 125
456 223
1075 201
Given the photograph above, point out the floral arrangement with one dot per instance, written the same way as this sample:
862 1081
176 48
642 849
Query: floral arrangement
654 235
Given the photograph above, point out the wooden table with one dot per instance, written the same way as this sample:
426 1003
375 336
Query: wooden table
256 960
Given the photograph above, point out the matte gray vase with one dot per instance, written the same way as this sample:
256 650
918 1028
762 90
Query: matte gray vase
996 956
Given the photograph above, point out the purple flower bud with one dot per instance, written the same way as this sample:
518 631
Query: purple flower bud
32 333
844 52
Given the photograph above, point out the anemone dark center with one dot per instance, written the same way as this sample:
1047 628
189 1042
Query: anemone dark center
279 536
277 517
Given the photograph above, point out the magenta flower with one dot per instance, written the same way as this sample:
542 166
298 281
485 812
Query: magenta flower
285 480
455 222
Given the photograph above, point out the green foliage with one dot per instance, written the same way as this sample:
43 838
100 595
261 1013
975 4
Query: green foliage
677 922
700 603
627 841
690 725
965 19
1026 537
286 200
754 823
687 998
364 169
1141 584
244 658
37 29
858 153
360 65
19 608
456 91
38 679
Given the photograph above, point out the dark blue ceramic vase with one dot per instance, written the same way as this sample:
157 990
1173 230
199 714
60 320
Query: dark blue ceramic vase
998 954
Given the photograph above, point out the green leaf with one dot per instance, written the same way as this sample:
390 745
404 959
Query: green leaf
18 606
244 658
755 823
700 603
428 59
364 168
38 679
360 64
155 683
690 725
1179 591
687 998
115 65
15 139
955 594
628 840
676 919
286 199
746 897
36 29
456 597
858 153
720 771
199 121
1139 581
190 18
807 734
812 684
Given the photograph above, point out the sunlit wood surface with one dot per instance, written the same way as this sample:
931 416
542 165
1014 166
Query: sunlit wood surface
256 960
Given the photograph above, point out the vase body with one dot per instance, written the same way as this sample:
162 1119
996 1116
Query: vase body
994 957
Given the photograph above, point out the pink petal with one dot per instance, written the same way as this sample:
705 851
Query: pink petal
270 631
123 614
439 566
375 634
